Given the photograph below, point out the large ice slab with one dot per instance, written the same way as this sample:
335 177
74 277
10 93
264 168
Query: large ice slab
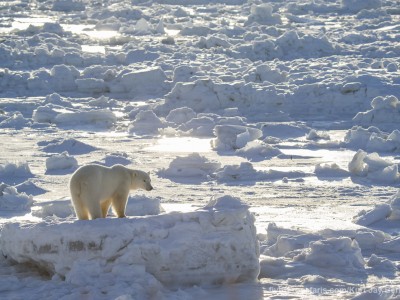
211 246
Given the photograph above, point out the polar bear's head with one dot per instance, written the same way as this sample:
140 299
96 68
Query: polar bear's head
140 180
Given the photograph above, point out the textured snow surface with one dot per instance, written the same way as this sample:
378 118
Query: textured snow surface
211 246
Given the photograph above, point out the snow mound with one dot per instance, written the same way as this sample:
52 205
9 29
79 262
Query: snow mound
262 14
115 158
50 113
384 110
293 253
386 212
200 126
208 95
16 121
330 170
61 161
56 208
232 137
282 131
146 123
192 166
100 117
211 246
141 205
314 135
180 115
12 200
257 151
30 188
374 168
291 44
9 171
395 206
226 203
71 145
245 172
148 81
372 139
378 213
334 253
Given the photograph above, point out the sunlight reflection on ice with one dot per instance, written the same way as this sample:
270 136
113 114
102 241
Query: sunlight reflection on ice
179 144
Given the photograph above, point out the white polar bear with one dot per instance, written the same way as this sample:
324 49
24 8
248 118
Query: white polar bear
94 188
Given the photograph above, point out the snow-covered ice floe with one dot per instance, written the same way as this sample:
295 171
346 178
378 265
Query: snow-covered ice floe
373 167
12 200
214 245
332 254
372 139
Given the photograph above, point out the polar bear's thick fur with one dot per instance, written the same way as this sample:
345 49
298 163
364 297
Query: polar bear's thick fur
94 188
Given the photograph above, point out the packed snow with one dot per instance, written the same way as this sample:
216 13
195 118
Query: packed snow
270 131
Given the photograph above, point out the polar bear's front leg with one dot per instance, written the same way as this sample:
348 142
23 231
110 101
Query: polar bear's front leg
119 204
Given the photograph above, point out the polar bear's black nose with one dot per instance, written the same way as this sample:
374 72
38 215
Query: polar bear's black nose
150 188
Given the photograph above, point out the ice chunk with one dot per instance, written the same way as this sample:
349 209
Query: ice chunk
100 117
12 200
180 115
245 172
178 249
378 213
374 168
71 145
141 205
372 139
192 166
231 137
148 81
330 170
226 203
384 110
357 165
90 85
395 206
14 170
146 122
262 14
334 253
16 121
257 151
61 162
381 264
315 135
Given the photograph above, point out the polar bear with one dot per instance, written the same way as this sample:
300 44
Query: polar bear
94 188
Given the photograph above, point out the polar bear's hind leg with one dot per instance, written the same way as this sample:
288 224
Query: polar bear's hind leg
79 207
94 208
105 206
119 204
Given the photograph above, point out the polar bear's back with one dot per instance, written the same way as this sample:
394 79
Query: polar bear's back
97 177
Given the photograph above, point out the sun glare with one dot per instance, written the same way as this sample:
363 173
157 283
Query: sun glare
181 144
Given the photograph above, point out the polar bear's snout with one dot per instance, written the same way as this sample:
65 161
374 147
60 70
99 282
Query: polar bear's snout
149 188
